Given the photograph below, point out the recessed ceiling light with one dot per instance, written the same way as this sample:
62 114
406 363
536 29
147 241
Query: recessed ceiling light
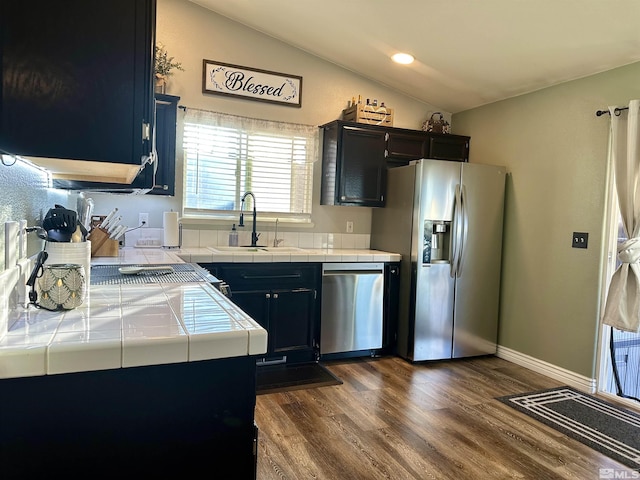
403 58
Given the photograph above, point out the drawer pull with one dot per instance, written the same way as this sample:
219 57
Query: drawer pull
263 277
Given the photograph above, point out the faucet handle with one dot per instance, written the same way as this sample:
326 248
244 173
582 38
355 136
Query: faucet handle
254 239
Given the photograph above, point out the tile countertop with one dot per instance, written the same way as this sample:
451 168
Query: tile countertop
211 255
121 326
133 255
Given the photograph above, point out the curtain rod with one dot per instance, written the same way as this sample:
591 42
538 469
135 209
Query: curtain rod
184 108
617 111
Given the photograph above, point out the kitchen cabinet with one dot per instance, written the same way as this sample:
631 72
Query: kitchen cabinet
356 156
448 147
77 86
391 303
404 145
137 422
284 299
354 168
155 178
166 121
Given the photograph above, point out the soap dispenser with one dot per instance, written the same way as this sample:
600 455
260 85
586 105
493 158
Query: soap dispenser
233 236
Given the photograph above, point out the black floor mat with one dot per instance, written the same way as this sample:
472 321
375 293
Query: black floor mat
601 425
282 378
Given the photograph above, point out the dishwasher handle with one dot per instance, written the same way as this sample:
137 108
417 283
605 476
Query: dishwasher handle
352 269
351 272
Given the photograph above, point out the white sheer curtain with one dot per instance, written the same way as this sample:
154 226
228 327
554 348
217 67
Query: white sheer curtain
228 155
622 308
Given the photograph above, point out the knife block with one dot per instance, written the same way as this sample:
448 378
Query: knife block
101 244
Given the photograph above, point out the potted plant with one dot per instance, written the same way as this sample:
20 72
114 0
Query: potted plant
163 67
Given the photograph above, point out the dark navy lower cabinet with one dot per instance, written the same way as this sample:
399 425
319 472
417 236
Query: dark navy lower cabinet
138 422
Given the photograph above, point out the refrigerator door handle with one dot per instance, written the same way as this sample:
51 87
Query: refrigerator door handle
464 214
456 233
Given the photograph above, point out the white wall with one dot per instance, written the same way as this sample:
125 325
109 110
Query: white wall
555 149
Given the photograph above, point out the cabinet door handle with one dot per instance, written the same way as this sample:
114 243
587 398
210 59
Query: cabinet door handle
268 295
146 131
275 295
386 137
262 277
386 153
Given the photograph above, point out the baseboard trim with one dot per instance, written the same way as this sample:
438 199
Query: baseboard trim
563 375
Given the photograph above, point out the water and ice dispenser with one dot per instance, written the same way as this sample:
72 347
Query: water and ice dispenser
436 241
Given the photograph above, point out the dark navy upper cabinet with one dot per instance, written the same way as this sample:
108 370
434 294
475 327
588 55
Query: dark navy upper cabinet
77 81
157 178
164 182
354 168
356 156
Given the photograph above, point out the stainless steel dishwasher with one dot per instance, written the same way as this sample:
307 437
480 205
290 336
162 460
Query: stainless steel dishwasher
352 307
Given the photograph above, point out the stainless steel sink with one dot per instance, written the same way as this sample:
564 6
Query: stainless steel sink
284 250
254 250
247 249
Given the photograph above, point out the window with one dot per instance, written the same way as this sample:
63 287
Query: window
228 155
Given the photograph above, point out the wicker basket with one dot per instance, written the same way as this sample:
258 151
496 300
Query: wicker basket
436 124
369 114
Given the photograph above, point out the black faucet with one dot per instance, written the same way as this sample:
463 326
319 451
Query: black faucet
254 235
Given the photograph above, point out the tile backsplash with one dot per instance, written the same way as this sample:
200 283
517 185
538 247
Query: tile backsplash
150 237
25 194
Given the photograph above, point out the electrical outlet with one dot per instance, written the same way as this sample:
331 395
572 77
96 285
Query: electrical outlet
349 227
579 240
143 219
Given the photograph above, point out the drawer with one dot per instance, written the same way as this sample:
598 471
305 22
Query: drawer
242 276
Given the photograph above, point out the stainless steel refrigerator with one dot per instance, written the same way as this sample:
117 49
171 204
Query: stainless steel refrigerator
445 219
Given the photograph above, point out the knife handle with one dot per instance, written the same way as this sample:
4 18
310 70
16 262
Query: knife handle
117 233
105 222
113 224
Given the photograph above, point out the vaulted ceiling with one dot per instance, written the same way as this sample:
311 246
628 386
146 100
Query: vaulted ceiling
468 52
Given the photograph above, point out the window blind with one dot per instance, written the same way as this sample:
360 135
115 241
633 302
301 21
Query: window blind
228 155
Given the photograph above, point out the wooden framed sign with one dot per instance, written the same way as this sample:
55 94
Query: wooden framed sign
251 83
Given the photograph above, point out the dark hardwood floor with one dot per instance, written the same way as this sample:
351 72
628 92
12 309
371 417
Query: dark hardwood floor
438 420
